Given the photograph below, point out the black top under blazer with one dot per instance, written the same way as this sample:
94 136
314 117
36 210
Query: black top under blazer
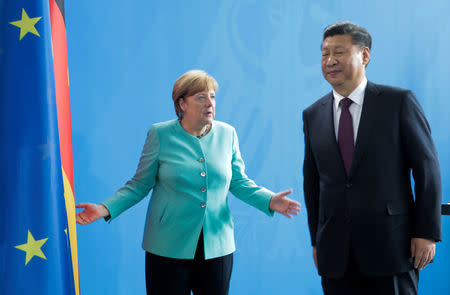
373 210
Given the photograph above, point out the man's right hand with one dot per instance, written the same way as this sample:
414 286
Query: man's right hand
315 256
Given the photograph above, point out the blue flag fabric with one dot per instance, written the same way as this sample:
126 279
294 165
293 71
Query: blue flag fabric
35 253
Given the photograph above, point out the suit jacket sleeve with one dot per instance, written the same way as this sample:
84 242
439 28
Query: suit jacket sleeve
143 180
311 184
422 158
244 188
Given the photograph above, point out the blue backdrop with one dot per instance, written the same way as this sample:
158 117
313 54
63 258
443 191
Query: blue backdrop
124 57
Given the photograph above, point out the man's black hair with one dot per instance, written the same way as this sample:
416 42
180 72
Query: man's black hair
360 36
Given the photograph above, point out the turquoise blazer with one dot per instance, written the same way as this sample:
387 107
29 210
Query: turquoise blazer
190 178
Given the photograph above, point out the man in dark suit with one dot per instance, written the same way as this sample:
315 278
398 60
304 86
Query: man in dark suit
370 234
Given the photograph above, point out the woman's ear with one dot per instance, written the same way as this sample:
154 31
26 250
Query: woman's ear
182 104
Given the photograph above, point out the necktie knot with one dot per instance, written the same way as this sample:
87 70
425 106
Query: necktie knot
345 102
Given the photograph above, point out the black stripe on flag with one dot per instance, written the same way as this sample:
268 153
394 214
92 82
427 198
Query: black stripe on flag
60 4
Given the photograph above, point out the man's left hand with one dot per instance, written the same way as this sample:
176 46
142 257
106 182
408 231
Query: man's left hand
423 251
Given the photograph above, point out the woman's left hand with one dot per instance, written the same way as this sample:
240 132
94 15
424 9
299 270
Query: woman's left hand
284 205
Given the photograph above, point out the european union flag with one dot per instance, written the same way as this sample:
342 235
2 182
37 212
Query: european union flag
35 249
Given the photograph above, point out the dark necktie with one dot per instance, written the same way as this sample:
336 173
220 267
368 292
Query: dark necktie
345 134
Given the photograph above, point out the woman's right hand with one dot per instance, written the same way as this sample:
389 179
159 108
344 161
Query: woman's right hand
91 213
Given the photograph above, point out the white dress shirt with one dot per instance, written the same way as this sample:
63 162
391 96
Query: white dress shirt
357 96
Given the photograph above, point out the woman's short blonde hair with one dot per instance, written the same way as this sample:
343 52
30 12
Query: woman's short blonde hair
189 83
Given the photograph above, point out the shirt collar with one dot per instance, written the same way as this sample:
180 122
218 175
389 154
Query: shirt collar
357 95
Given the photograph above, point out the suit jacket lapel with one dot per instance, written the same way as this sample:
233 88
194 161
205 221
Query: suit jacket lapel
368 115
328 132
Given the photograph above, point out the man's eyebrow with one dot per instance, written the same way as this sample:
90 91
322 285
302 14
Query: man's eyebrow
334 47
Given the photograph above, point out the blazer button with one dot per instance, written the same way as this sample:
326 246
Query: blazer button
348 185
203 174
203 189
202 204
201 160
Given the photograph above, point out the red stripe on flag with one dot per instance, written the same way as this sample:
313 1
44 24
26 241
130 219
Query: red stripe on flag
62 89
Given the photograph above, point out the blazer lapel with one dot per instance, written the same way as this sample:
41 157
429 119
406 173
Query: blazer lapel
328 132
368 116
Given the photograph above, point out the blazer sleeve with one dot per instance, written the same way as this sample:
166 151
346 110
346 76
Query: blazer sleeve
311 184
244 188
422 158
143 180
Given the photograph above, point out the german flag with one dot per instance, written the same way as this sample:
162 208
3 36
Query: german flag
60 63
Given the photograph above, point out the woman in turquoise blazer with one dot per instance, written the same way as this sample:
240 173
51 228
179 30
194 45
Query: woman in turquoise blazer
190 163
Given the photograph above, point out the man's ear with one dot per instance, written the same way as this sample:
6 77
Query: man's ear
365 56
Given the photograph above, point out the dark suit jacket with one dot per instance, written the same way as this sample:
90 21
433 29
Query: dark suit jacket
373 210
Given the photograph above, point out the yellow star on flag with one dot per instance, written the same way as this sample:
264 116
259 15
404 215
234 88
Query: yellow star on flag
26 24
67 237
32 248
